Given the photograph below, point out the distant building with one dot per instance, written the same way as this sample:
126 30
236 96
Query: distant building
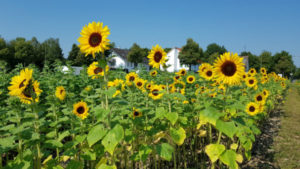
120 60
173 61
246 62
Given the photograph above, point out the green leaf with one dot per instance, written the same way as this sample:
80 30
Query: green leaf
227 128
95 134
165 151
6 144
112 138
214 151
51 134
160 112
101 113
62 135
53 144
144 152
88 155
104 166
209 115
110 92
74 165
178 135
172 117
228 158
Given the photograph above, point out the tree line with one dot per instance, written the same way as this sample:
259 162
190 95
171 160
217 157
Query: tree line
48 52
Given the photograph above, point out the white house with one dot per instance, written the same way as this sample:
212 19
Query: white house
173 61
120 60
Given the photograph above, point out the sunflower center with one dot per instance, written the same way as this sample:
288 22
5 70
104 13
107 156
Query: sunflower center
209 73
135 113
131 78
61 91
228 68
183 72
259 98
139 83
251 108
251 81
22 84
177 77
155 92
157 57
244 76
265 93
191 79
252 71
98 70
80 110
95 39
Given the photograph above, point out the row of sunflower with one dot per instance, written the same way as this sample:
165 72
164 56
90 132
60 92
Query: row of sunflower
109 119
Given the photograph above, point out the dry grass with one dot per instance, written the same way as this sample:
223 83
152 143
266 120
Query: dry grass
287 143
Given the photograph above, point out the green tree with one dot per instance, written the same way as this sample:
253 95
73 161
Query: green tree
297 74
191 53
253 60
5 53
23 51
73 53
213 51
136 54
267 61
52 50
284 63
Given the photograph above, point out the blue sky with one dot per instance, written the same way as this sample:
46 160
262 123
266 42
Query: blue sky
252 25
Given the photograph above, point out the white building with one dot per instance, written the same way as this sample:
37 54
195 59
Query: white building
120 60
173 61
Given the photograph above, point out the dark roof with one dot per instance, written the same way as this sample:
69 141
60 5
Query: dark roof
121 52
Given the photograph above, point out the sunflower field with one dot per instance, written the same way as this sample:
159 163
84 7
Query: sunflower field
107 119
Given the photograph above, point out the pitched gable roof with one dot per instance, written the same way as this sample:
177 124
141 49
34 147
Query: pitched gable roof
123 53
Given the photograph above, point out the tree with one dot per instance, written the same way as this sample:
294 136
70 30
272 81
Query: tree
284 63
52 50
4 52
136 54
213 51
73 53
267 61
253 60
191 53
23 51
297 74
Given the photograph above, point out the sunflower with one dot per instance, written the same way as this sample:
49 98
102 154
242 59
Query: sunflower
20 82
149 85
116 93
283 85
185 102
190 79
153 73
60 92
163 87
259 98
263 70
251 81
157 56
96 71
94 38
177 77
202 68
139 83
155 92
30 92
181 72
136 113
266 93
131 77
252 108
244 76
229 68
80 109
252 72
208 74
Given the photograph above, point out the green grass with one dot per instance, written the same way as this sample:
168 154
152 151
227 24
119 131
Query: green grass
287 143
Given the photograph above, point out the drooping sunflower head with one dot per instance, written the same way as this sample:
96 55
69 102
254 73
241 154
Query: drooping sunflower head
157 56
252 72
153 73
136 113
60 92
190 79
31 91
252 108
20 82
155 92
80 109
229 68
263 70
94 38
95 71
181 72
251 81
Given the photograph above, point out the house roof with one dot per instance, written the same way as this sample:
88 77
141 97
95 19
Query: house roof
121 52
